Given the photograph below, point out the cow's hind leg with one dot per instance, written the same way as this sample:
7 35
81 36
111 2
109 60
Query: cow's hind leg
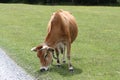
68 57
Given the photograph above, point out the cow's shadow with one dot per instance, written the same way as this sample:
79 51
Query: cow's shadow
63 70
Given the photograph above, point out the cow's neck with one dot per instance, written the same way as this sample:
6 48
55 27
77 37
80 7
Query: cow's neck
50 40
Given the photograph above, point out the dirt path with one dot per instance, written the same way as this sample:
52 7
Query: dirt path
9 70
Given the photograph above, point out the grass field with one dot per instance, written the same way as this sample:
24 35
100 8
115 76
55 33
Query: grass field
95 53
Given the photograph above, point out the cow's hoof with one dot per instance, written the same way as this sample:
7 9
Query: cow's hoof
64 62
71 69
58 65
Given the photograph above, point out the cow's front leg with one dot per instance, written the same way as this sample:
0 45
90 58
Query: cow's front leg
63 52
57 54
68 57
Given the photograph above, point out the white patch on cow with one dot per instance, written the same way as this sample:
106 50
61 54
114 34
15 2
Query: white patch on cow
33 48
71 68
44 47
44 67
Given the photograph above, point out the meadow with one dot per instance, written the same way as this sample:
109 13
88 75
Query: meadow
95 54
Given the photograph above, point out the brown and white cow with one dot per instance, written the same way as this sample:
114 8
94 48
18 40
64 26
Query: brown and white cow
62 31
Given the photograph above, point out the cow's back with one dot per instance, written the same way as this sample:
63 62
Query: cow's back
71 24
62 27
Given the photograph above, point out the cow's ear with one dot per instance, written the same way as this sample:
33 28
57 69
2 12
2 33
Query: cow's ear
34 49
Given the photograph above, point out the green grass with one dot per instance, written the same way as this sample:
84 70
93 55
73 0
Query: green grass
95 53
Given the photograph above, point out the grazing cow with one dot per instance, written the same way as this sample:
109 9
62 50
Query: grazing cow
62 31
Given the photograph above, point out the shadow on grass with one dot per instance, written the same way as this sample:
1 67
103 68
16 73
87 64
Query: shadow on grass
63 71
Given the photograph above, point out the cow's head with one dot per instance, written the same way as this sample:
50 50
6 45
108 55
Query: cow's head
44 53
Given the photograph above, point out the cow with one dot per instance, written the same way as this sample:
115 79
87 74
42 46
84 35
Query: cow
62 31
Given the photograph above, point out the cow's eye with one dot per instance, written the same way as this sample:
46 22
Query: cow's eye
46 54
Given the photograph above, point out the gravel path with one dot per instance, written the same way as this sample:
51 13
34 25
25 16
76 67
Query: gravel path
9 70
